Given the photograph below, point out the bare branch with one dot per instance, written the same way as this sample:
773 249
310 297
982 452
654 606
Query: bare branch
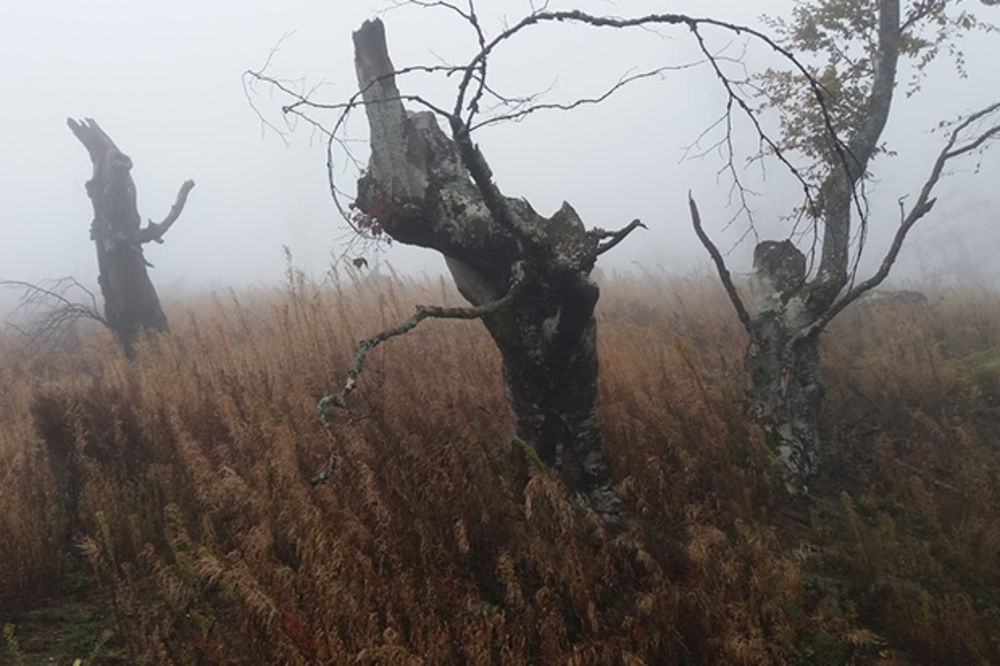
301 102
955 147
473 106
519 114
49 310
692 23
356 100
734 97
614 237
720 264
474 86
154 231
364 347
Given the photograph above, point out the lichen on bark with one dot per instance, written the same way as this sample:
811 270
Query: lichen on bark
432 190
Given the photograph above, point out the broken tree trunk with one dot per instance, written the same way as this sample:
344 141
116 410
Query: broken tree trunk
425 188
784 384
130 301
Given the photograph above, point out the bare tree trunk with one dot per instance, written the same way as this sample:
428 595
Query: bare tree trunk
784 384
550 372
130 301
418 189
787 315
784 395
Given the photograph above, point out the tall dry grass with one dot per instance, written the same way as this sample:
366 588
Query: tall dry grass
179 482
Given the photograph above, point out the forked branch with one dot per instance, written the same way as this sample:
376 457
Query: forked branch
464 116
612 238
958 144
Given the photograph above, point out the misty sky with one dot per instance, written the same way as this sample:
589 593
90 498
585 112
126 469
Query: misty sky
164 80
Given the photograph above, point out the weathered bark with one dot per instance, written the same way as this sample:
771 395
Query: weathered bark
425 188
130 301
785 388
550 372
784 385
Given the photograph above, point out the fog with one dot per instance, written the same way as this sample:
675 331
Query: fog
164 80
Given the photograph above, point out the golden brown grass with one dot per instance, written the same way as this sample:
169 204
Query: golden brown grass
180 483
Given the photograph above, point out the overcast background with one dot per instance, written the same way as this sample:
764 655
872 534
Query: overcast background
164 80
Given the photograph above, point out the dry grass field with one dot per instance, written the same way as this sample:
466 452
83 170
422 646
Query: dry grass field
168 499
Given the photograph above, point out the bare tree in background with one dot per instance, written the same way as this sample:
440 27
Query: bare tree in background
130 301
857 46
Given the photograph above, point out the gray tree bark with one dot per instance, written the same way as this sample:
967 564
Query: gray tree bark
785 387
130 301
425 188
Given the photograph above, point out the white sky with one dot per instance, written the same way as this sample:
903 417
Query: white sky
164 80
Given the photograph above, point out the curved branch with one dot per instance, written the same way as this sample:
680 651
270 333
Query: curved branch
923 205
154 231
473 84
720 265
693 23
840 190
613 237
364 347
518 115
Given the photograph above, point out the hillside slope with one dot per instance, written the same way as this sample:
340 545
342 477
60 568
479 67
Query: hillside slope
179 486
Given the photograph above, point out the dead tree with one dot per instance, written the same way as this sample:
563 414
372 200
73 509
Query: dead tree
130 301
526 276
790 305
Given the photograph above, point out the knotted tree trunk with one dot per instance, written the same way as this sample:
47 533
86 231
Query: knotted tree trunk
785 388
548 341
130 301
425 188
